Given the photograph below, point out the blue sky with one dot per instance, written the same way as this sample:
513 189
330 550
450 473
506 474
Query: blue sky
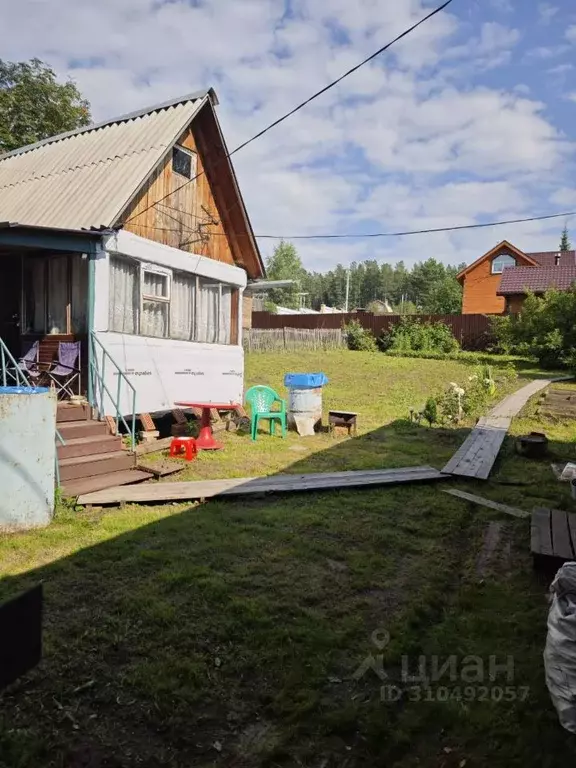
470 119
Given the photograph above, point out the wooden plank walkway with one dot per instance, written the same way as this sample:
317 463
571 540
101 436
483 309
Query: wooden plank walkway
476 457
204 489
513 404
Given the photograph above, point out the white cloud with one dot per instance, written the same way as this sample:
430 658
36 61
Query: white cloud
547 12
409 142
571 34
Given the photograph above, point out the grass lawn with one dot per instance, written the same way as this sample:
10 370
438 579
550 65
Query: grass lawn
232 633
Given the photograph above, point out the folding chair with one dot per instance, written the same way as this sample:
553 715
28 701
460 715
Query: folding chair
28 363
66 372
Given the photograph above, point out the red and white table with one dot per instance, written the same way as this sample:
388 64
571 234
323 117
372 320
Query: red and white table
205 440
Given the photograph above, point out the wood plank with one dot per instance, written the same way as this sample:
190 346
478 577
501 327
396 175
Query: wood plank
514 511
476 456
93 485
561 542
274 484
540 533
158 445
512 405
161 468
572 529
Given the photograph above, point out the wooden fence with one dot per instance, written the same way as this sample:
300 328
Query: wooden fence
472 331
275 339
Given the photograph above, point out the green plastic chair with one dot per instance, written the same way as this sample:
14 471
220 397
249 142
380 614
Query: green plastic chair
262 400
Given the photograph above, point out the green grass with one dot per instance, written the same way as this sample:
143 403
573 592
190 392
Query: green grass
382 389
229 633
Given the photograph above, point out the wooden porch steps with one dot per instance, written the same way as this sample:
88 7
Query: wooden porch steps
100 464
102 482
89 446
92 459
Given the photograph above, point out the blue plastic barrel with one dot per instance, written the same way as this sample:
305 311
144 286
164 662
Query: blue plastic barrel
27 457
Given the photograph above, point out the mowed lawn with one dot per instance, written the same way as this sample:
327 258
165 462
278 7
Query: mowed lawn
275 632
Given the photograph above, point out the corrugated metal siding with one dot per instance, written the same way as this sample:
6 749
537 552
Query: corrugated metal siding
86 180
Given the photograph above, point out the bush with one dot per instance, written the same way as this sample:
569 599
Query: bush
411 335
546 329
359 338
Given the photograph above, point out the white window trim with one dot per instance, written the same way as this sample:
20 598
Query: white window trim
153 269
192 162
500 256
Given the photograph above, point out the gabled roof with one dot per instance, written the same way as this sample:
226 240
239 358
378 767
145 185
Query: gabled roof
548 258
504 244
83 179
517 280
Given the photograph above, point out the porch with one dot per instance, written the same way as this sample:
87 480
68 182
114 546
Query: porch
44 296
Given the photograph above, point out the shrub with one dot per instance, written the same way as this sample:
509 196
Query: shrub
359 338
546 329
411 335
430 411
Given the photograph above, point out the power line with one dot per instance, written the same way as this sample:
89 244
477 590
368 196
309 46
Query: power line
304 103
389 234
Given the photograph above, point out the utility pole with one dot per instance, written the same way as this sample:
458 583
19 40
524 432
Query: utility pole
347 289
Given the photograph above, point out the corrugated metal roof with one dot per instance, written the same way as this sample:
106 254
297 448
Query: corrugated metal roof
85 179
548 258
516 280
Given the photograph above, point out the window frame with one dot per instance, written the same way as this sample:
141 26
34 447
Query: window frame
196 281
185 151
501 256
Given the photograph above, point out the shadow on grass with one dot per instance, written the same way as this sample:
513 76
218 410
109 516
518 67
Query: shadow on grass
229 633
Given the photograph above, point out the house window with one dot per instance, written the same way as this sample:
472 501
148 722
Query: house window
155 303
151 302
500 263
182 162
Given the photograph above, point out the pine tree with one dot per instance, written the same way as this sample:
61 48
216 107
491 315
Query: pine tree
565 244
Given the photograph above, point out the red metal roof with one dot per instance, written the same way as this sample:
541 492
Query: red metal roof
517 280
548 258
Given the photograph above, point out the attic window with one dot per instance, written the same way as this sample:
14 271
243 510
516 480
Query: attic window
182 162
500 263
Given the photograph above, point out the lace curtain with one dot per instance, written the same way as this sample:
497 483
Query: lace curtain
124 295
208 311
183 307
225 315
198 310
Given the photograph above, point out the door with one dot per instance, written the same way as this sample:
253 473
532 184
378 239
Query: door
10 296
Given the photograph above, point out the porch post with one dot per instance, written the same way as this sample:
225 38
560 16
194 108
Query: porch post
91 293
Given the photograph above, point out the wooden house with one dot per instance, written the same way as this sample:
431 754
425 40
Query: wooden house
132 234
497 282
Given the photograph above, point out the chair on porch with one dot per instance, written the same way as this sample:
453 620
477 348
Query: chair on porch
65 372
28 363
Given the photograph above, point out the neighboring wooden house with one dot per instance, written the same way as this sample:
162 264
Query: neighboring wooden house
110 238
497 282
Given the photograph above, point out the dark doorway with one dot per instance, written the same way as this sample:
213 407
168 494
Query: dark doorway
10 295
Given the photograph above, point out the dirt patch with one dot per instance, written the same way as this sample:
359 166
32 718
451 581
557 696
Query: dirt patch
492 540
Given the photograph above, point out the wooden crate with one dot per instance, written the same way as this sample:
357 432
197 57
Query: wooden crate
553 537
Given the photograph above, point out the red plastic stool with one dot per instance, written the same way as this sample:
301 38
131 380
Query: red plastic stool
186 443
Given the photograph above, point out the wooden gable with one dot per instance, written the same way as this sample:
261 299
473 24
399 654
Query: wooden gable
205 216
480 286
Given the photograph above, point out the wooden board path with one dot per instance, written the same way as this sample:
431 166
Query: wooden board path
476 457
204 489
